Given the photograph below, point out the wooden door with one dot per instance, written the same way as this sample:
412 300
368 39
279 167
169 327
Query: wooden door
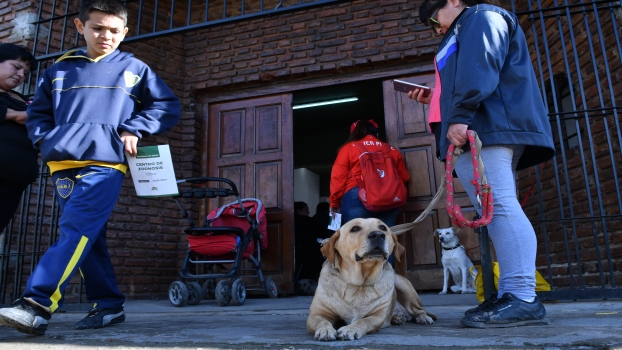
406 125
250 143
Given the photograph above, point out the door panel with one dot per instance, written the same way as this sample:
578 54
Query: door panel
406 125
247 145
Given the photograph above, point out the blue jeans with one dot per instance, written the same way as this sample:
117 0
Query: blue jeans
352 208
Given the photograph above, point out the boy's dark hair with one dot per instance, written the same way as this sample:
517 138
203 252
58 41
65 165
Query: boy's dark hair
110 7
429 6
300 206
14 52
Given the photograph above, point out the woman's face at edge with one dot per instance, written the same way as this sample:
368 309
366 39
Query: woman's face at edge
447 14
12 74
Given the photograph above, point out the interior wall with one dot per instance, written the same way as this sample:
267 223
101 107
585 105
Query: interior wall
307 188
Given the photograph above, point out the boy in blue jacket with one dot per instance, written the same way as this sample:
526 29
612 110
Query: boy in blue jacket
89 108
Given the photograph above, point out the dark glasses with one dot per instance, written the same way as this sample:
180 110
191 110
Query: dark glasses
433 22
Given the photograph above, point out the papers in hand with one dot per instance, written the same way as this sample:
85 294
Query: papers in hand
334 222
152 171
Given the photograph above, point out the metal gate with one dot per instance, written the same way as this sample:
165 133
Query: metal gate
573 201
577 212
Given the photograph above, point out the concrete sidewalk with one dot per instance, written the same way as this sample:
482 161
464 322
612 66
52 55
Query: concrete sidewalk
281 324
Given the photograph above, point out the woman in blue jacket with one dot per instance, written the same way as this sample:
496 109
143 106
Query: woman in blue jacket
486 82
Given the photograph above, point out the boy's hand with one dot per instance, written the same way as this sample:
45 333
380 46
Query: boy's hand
18 117
129 141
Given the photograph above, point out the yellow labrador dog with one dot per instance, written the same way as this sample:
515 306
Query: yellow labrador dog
358 287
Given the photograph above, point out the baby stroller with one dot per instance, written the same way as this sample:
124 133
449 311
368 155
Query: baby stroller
230 234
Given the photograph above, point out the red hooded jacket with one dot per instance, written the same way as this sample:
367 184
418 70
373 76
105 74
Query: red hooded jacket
346 170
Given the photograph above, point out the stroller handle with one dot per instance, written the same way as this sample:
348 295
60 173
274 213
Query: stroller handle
205 179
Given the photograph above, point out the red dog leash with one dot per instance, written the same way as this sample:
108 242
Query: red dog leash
483 191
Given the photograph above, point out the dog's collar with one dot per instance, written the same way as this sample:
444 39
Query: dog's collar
458 246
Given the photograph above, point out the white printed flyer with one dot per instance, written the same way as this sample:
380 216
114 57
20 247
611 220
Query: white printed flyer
334 223
152 171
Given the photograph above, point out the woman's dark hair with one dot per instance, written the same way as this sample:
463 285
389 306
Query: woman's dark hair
322 207
429 6
362 129
15 52
109 7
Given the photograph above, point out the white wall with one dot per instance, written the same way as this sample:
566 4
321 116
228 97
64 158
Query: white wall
307 188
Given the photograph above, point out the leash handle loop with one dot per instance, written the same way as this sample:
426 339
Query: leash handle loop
483 191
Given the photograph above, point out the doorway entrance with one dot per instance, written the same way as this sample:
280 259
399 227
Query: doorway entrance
320 130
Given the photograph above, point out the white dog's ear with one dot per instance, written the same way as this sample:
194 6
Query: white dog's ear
456 229
437 232
328 248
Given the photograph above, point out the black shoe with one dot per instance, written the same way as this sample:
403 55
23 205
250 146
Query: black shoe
25 317
491 299
98 318
507 311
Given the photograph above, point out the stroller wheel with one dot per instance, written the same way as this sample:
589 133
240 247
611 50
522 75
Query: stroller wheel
223 293
178 293
270 288
208 289
195 293
238 292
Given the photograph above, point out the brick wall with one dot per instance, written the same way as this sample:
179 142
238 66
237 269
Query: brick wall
351 36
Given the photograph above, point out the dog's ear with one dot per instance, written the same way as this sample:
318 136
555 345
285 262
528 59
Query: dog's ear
436 232
456 229
398 249
328 249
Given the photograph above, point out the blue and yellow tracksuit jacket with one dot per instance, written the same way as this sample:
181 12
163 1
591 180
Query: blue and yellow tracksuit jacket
82 105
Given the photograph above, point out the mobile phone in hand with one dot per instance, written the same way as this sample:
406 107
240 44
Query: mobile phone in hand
404 86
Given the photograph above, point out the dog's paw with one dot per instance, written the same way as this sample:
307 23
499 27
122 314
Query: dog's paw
424 319
443 292
350 332
326 334
399 319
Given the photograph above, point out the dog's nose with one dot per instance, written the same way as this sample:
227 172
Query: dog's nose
376 235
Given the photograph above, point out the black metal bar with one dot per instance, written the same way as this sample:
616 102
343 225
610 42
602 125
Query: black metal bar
543 230
170 25
189 15
486 260
155 16
51 21
62 36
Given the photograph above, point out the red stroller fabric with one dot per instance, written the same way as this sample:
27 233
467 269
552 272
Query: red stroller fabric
231 215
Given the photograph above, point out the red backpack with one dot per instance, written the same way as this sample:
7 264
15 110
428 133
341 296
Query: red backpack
380 186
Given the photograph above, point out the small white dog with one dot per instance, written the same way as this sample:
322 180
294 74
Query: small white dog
455 262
